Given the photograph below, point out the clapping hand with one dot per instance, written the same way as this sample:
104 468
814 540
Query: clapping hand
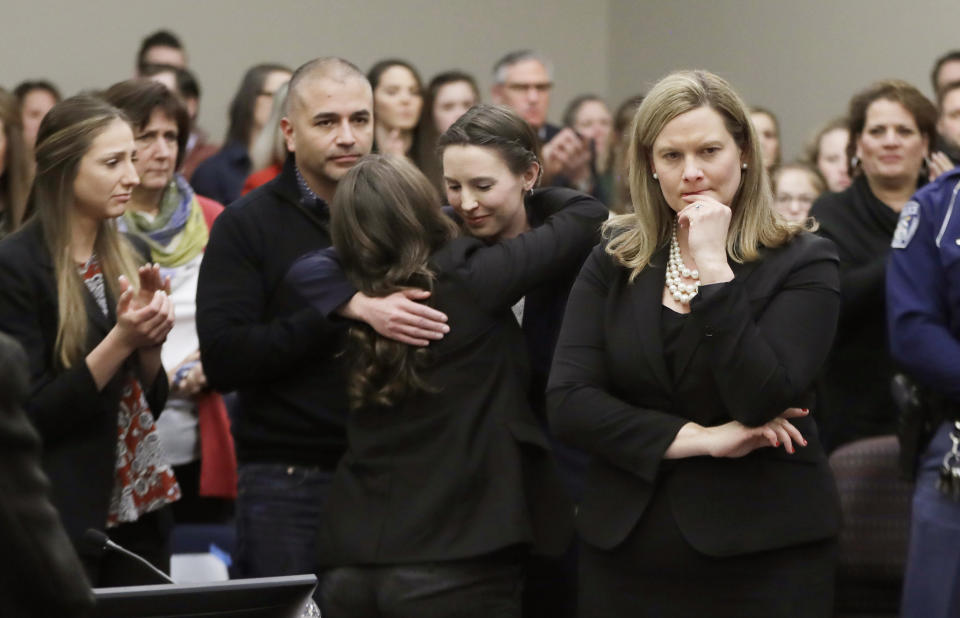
150 282
145 314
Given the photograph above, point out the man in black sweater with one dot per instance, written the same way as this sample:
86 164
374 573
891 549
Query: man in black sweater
276 352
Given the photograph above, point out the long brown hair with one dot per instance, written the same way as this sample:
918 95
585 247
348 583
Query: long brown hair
385 223
15 174
64 137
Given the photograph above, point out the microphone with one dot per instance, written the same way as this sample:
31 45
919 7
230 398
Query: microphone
101 543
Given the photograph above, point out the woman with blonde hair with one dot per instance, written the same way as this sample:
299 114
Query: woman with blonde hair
685 368
93 337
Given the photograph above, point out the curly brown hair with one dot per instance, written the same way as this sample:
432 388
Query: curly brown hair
385 223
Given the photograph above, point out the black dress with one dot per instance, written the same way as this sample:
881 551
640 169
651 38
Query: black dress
673 579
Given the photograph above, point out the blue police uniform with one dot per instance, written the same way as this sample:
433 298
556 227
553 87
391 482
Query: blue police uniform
923 309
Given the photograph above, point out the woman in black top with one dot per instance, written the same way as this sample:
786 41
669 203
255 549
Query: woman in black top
687 341
891 128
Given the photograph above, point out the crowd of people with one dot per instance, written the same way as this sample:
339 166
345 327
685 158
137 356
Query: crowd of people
459 361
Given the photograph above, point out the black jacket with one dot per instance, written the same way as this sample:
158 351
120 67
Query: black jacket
257 339
77 422
465 470
752 350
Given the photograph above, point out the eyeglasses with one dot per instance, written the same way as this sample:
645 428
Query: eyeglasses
520 88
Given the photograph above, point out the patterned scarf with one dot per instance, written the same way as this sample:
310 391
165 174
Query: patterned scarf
178 233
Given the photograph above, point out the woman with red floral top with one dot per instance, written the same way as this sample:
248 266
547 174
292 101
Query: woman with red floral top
92 324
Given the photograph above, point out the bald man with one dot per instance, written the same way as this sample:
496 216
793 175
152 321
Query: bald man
262 341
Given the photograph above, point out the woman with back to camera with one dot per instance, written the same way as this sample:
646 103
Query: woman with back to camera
891 128
449 95
397 104
92 336
691 339
480 416
485 155
14 166
221 176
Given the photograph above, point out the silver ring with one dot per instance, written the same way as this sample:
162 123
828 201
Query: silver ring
697 205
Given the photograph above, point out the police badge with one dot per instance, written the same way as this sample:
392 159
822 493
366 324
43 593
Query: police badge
907 225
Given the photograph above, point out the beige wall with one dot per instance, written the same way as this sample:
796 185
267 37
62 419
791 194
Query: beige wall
802 59
92 44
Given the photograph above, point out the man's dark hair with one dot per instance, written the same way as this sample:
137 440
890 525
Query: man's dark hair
950 56
160 38
138 98
26 87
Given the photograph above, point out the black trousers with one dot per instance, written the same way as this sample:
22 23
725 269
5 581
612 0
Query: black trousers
485 587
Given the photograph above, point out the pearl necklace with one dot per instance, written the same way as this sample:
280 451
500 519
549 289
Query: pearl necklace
682 292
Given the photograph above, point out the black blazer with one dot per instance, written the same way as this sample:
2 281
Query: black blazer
77 422
751 351
465 470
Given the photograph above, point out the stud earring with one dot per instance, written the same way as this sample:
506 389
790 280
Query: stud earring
655 177
743 166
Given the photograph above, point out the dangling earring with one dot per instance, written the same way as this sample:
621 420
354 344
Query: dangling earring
743 166
655 177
